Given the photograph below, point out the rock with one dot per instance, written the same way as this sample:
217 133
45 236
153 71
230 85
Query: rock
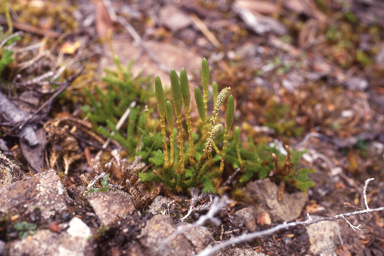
324 237
157 230
239 252
111 206
173 18
261 195
157 206
379 58
356 83
260 24
2 247
9 172
77 228
71 242
200 237
43 191
244 216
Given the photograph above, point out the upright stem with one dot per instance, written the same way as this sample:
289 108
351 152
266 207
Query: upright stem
161 106
178 103
187 100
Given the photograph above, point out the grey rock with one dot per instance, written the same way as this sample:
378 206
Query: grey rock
260 24
261 195
240 252
356 83
173 18
43 191
244 216
156 206
324 236
2 247
379 58
157 230
9 172
111 206
200 237
45 242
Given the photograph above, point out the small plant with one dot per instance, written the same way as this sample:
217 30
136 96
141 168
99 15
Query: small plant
104 186
6 40
280 119
122 89
263 161
25 229
185 166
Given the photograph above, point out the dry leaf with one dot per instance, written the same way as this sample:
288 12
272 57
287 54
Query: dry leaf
70 47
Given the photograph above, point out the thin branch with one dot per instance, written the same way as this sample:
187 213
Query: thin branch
309 221
50 100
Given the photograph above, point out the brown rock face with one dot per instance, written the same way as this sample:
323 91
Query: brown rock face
262 196
43 191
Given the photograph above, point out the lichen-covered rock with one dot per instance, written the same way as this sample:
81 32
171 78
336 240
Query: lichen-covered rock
45 242
157 230
239 252
200 237
9 172
261 195
111 206
43 191
157 206
245 217
324 236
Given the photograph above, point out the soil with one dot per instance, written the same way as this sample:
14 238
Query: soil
309 75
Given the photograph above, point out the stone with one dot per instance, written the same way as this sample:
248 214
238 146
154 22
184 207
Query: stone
200 237
111 206
324 237
157 206
244 216
356 83
9 172
159 228
43 191
239 252
45 242
261 195
173 18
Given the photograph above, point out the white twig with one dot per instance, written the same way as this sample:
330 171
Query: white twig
309 221
228 181
118 126
197 197
216 206
365 192
306 138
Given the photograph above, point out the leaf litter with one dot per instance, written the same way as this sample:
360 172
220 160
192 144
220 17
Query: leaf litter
296 67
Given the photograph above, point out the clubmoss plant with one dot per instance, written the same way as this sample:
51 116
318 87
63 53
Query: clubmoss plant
263 160
198 167
122 87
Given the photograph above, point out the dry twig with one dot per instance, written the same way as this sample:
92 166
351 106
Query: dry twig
309 221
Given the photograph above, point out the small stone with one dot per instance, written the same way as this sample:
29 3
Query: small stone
324 237
157 206
240 252
261 195
77 228
200 237
356 83
54 227
245 216
159 228
264 219
173 18
45 242
111 206
43 191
